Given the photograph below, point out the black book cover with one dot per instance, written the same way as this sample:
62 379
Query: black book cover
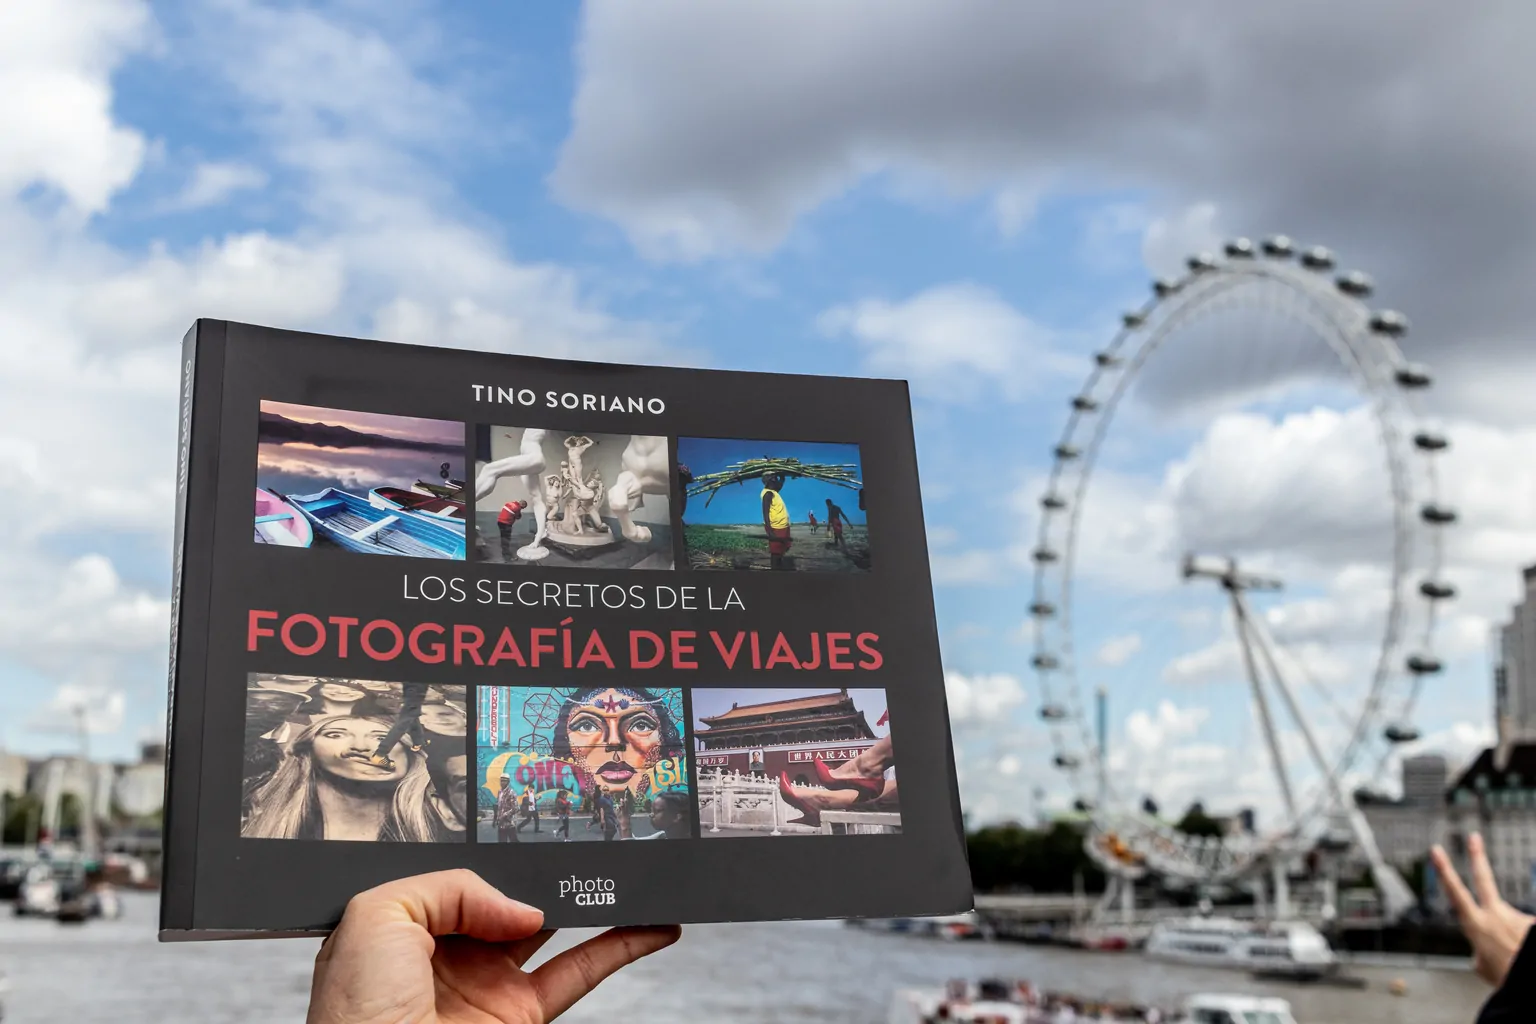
437 609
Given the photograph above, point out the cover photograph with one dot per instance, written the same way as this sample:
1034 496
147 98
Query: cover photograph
592 631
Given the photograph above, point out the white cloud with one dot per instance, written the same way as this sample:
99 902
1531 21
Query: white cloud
56 59
214 182
1152 732
1118 650
90 331
950 341
981 698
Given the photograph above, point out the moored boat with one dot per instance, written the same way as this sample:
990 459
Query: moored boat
394 498
448 489
1293 948
278 522
355 524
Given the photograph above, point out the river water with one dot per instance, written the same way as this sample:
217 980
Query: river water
800 972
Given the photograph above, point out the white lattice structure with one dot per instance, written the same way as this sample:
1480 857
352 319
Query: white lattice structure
732 802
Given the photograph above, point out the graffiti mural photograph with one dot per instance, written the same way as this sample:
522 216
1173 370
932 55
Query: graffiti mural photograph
574 764
794 762
566 499
354 759
778 505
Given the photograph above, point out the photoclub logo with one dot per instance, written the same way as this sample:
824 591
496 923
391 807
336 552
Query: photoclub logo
589 892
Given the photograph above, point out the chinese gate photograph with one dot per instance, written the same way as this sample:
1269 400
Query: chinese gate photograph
794 762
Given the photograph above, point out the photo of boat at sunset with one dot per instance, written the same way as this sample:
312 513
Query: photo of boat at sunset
369 483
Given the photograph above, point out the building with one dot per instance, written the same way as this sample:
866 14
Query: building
783 736
1514 673
138 791
13 774
1496 795
1425 780
823 717
1405 828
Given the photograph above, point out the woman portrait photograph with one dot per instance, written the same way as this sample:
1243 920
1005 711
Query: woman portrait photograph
354 760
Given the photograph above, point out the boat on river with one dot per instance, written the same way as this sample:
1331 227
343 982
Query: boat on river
355 524
1004 1002
1283 948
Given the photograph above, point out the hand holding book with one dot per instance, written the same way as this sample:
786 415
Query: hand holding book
448 947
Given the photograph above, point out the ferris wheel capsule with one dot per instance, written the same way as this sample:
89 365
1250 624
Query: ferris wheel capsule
1045 662
1437 515
1239 249
1424 441
1165 286
1389 322
1319 257
1107 359
1412 375
1437 591
1084 403
1279 247
1053 712
1396 733
1042 609
1423 664
1132 320
1044 556
1067 452
1053 503
1200 262
1355 284
1067 762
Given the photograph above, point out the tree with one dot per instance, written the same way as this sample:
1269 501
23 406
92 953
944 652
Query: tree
1012 857
22 814
1197 823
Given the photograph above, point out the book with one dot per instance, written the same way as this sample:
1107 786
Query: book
638 645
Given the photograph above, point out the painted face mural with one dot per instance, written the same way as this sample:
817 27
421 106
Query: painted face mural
615 735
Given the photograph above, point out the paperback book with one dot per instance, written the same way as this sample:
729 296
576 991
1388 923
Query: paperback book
450 609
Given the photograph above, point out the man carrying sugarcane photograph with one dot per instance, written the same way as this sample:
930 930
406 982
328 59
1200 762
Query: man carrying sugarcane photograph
776 521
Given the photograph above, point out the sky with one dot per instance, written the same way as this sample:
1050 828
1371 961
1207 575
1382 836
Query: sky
735 504
963 195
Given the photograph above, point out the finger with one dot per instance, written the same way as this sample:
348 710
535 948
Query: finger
1461 900
1483 882
522 950
457 902
578 970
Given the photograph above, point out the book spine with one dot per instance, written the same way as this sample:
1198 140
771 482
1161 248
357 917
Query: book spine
191 576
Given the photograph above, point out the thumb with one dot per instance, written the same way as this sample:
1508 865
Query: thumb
457 902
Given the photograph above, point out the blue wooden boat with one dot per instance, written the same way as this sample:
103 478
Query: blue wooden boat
358 526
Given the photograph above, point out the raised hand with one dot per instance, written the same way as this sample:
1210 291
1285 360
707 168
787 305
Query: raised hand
1495 929
448 947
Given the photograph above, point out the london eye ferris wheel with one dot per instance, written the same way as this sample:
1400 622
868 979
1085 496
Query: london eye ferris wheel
1300 722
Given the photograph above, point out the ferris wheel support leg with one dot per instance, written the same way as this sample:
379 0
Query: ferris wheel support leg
1396 898
1282 887
1247 639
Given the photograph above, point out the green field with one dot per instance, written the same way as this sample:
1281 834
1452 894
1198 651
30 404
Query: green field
746 547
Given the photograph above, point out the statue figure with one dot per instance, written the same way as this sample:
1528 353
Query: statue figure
643 470
529 463
579 496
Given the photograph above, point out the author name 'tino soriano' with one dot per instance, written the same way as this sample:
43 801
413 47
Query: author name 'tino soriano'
585 400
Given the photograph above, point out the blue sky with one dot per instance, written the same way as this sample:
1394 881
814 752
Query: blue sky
955 201
735 504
